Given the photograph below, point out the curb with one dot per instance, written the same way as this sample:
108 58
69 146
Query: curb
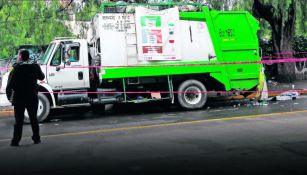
6 113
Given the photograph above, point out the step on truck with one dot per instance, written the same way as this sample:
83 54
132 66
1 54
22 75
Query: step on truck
149 54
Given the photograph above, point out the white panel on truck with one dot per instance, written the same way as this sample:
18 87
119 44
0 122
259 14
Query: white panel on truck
118 40
117 35
158 34
196 43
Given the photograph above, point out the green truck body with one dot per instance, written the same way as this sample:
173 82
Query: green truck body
235 42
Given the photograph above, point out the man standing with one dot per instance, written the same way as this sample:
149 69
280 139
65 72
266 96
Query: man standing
22 90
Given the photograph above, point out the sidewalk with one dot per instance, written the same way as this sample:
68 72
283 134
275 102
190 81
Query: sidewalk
298 85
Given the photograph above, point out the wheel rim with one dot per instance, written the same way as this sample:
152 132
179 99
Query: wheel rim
192 95
40 110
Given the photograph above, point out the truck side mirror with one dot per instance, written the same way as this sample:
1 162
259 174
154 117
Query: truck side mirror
66 55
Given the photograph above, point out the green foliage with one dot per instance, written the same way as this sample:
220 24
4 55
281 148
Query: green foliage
243 5
300 43
301 20
45 21
216 4
88 11
28 22
281 10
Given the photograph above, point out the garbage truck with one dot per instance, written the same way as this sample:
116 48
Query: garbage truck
146 55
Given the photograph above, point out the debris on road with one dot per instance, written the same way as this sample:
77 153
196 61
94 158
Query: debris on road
55 120
272 82
288 95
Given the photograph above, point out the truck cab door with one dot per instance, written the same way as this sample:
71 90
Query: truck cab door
66 67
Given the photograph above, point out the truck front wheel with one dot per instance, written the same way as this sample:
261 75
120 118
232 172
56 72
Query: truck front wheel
192 94
42 111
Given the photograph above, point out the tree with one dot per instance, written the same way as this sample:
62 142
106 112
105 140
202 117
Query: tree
29 22
89 11
281 15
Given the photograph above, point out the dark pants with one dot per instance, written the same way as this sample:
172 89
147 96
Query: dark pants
20 104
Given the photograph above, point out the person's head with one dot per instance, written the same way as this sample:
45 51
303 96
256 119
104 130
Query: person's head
71 52
24 55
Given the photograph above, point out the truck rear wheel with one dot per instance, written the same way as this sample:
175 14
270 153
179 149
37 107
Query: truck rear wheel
192 94
43 109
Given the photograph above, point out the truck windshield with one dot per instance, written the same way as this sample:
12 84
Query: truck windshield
44 59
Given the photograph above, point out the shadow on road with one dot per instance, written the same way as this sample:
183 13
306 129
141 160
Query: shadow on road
126 110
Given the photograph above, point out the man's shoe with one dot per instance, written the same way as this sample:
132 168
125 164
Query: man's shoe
37 141
14 144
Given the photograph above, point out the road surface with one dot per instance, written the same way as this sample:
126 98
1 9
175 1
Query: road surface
150 139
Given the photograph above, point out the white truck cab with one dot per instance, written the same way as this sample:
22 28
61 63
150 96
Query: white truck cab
66 64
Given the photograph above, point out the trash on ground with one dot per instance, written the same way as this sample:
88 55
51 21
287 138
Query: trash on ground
55 120
288 95
283 98
260 103
293 86
274 83
250 103
271 98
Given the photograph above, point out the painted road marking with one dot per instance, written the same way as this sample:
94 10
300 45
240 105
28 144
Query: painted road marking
164 125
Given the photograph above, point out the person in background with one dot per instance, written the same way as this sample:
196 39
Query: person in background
72 56
22 90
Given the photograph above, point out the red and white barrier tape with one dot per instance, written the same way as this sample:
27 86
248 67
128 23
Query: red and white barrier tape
286 60
174 92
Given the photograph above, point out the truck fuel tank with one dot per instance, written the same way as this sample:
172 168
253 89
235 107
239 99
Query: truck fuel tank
69 97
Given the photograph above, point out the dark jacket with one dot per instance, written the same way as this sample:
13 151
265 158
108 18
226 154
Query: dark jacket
23 80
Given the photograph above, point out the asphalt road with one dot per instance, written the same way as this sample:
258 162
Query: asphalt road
152 139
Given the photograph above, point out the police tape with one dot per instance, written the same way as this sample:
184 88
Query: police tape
177 92
287 60
289 53
278 57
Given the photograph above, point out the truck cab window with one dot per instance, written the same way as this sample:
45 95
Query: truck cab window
73 54
56 60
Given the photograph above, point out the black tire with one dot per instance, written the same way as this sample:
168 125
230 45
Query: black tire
192 100
42 111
